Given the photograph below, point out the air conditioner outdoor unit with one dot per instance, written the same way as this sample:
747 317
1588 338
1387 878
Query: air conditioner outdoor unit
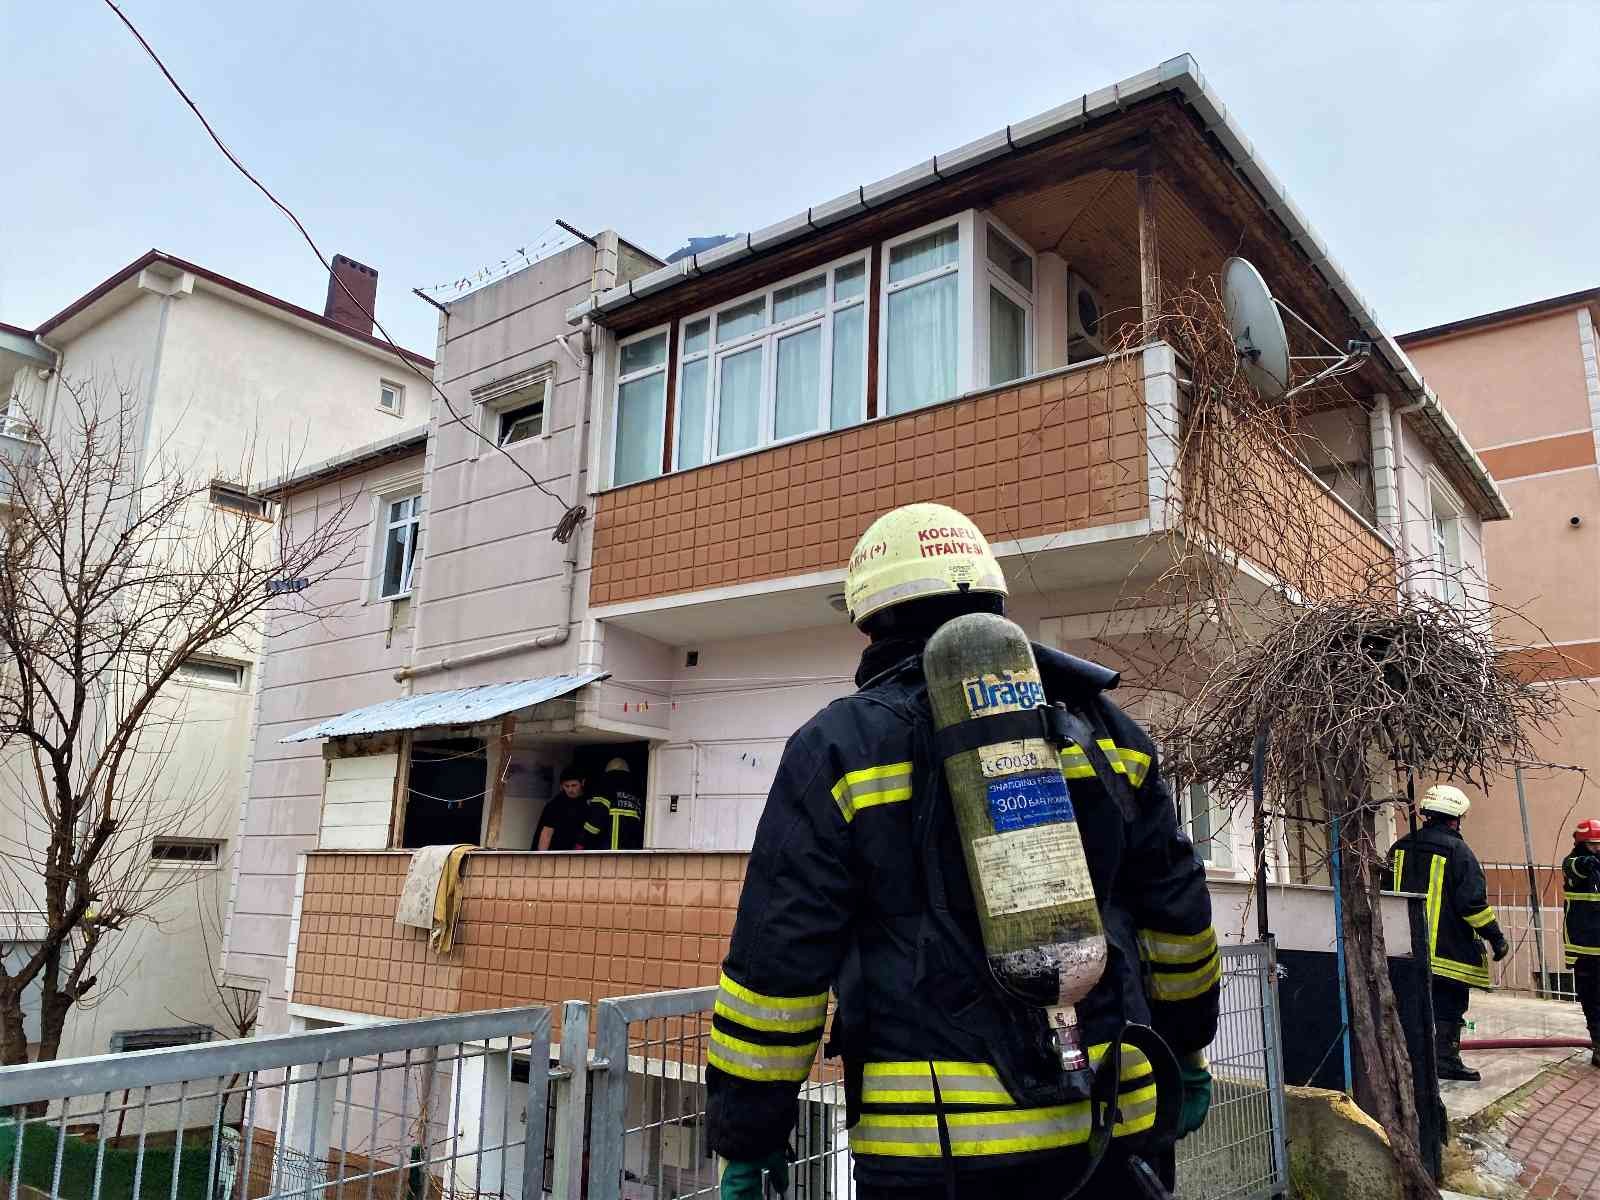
1085 338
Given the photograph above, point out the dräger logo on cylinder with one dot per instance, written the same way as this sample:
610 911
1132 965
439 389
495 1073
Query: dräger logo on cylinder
1003 693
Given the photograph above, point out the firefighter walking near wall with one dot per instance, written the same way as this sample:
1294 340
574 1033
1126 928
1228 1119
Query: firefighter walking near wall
858 884
1580 876
1437 862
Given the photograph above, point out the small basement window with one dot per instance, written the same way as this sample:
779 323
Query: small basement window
237 499
185 852
128 1041
213 671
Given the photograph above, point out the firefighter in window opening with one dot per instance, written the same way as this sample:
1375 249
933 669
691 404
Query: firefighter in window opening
1580 876
1437 862
859 882
615 820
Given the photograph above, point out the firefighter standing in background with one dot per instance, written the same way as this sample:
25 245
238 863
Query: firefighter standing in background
615 820
1580 873
1437 862
857 883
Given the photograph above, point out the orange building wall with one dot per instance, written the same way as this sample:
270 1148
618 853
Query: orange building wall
534 929
1058 454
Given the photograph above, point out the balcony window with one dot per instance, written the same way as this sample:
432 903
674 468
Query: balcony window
1208 825
1445 531
1010 280
641 407
773 367
922 319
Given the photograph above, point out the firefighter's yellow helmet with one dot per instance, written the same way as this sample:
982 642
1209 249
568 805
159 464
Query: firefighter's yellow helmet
915 551
1445 799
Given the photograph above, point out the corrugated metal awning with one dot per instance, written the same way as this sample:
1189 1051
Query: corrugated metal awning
464 706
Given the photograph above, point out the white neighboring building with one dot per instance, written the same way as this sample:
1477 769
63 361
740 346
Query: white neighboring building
223 373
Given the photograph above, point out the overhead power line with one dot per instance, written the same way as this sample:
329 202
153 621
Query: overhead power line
574 514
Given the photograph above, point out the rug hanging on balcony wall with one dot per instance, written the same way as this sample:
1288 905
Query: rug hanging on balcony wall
431 897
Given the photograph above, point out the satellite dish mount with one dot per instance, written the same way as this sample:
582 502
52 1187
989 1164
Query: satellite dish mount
1255 320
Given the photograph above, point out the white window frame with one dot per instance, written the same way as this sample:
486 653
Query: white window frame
1025 299
768 336
495 399
382 526
217 845
399 390
1448 584
1207 849
618 379
201 681
964 270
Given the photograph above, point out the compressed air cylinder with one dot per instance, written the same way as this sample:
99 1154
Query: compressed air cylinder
1013 806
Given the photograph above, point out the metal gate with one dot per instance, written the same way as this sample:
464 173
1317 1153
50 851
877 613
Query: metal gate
445 1108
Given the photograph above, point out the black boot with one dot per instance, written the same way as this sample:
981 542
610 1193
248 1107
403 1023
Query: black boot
1448 1036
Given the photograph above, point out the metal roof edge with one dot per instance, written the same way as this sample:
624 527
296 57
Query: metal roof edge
417 435
454 706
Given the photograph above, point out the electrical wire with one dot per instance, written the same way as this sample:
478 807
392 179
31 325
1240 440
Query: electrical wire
574 513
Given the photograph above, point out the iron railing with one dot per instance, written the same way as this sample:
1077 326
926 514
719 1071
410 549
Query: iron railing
409 1110
1536 965
474 1108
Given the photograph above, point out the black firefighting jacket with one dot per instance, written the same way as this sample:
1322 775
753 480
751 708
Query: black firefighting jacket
1436 861
857 883
1580 876
614 819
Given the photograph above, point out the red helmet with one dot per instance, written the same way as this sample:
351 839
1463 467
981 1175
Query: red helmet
1587 831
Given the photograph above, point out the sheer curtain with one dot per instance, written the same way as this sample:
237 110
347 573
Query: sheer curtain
739 401
692 414
641 413
849 382
1008 338
922 344
799 382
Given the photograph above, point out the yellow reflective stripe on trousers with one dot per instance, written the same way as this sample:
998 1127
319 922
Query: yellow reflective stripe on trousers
967 1082
1476 976
872 786
763 1063
1005 1131
1479 919
775 1014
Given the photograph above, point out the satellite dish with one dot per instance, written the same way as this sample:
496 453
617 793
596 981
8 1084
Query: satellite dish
1257 328
1255 319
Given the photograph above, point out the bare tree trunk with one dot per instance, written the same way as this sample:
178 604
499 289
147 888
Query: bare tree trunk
13 1032
1383 1082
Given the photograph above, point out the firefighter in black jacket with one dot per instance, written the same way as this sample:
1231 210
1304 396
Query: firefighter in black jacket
1580 873
857 883
1437 862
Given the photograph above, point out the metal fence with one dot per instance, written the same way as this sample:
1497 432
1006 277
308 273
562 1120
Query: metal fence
412 1110
1537 963
474 1108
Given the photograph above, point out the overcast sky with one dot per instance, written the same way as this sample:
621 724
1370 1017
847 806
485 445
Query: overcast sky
1448 153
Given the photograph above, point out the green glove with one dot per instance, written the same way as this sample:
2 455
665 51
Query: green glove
1196 1075
742 1180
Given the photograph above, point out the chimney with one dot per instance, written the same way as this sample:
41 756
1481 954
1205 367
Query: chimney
362 282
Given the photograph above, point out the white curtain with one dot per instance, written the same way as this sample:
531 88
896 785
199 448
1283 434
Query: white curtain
922 344
692 414
1008 338
849 382
799 382
641 413
739 401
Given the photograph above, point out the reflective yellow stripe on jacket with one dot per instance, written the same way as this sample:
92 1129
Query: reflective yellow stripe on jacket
981 1117
1473 974
765 1038
872 786
1181 966
1135 764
